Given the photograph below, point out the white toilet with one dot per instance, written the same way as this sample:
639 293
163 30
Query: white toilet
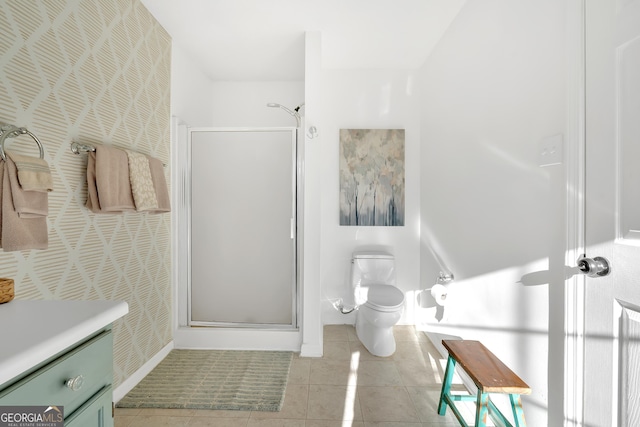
379 302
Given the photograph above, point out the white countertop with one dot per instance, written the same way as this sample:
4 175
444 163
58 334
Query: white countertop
33 331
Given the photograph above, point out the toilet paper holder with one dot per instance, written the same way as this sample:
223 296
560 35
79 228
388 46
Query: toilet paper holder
445 277
439 290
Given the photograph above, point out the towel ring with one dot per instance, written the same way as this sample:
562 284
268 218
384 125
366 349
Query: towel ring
11 131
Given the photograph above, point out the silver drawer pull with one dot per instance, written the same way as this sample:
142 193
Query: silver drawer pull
75 383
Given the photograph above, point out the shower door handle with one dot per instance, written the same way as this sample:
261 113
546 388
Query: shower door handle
292 226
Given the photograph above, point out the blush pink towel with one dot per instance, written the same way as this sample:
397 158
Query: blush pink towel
27 204
16 233
108 184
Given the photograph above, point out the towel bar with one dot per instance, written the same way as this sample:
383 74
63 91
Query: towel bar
11 131
77 148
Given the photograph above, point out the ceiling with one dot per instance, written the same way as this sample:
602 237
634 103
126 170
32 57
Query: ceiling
263 40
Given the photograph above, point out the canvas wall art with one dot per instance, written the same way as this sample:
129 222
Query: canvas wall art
372 177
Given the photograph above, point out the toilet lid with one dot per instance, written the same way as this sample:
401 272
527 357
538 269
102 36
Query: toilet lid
384 297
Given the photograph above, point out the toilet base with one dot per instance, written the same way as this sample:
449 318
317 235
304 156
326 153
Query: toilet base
378 341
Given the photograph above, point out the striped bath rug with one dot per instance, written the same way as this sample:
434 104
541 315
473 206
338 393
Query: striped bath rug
214 379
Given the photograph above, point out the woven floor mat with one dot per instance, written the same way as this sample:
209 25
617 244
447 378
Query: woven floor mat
214 379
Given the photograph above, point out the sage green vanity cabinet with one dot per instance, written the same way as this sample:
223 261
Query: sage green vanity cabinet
70 380
79 380
60 354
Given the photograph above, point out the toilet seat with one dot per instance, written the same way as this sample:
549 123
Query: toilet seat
384 298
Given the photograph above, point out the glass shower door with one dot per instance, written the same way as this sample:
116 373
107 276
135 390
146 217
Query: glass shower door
243 256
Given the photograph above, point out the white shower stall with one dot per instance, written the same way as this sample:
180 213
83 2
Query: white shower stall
238 284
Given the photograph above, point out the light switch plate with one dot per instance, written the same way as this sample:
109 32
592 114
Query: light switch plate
550 151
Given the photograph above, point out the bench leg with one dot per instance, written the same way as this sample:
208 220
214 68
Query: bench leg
518 413
446 385
482 409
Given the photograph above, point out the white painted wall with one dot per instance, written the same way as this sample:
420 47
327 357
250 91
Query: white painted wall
368 99
492 89
244 104
310 217
190 89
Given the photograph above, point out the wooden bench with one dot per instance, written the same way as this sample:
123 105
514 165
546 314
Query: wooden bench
489 374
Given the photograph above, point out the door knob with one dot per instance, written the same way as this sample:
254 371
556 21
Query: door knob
594 267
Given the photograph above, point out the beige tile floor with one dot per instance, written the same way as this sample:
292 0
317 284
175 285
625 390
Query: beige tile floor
346 387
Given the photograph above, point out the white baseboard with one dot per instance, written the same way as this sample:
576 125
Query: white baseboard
311 350
138 375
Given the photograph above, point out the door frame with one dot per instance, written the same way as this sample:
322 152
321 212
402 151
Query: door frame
575 208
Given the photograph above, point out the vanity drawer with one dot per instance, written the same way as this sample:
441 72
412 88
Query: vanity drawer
93 360
95 412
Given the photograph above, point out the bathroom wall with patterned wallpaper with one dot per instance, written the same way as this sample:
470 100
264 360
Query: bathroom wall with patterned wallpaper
92 71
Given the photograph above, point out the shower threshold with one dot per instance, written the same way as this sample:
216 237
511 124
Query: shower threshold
260 337
234 325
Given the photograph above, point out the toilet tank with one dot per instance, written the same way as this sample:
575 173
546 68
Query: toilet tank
372 268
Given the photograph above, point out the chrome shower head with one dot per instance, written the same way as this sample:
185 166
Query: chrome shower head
293 113
274 105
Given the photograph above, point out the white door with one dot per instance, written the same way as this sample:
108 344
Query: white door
612 306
